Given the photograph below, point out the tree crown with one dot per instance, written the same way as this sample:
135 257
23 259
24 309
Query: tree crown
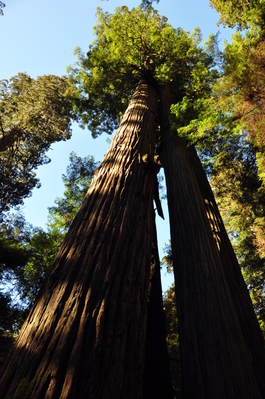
131 45
241 13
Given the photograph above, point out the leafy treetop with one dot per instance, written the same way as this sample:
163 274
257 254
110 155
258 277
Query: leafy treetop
130 46
241 13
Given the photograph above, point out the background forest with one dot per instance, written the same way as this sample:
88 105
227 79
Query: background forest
219 109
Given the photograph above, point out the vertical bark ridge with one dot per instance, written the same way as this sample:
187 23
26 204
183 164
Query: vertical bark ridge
215 360
245 312
85 335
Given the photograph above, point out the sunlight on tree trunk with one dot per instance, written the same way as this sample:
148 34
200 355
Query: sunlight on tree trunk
85 336
238 289
216 362
212 345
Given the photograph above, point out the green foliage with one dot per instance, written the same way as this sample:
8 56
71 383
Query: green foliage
240 91
44 246
168 259
11 318
170 311
241 200
191 110
27 254
241 13
14 233
14 255
34 113
76 181
130 46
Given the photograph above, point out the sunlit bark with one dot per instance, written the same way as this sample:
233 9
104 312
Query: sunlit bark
241 299
85 336
216 361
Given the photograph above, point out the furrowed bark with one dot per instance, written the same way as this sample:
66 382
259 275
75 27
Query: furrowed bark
85 336
239 292
216 362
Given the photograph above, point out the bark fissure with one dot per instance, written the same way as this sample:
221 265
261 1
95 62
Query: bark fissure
245 312
211 340
91 316
216 355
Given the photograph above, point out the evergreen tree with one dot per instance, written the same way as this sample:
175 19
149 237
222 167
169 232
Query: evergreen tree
34 113
43 246
235 140
240 198
241 13
101 286
27 253
89 331
15 234
202 269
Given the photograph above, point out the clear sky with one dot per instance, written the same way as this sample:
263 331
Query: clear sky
38 37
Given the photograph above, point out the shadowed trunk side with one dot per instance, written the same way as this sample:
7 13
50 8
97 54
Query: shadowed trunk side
85 335
157 380
215 360
239 292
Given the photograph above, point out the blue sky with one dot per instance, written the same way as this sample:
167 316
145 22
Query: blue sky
38 37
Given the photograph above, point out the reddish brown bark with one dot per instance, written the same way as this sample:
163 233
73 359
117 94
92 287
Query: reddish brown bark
250 327
215 360
85 336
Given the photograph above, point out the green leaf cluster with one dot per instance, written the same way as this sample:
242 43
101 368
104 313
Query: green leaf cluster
170 312
76 181
241 13
34 113
44 245
27 253
14 236
130 46
241 200
234 144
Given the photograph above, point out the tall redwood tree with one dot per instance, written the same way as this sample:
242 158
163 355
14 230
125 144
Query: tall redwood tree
85 336
88 329
217 325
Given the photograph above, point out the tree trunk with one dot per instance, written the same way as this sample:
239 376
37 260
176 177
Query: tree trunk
239 292
215 360
85 336
157 380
